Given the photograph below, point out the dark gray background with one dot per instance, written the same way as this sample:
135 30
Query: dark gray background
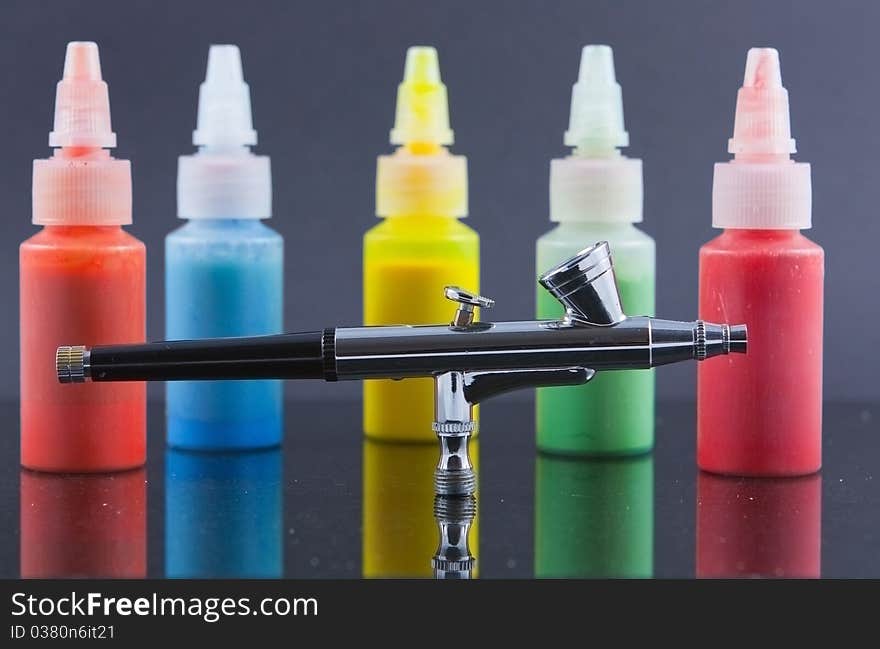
323 77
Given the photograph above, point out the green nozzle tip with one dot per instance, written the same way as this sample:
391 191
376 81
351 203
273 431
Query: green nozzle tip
422 108
596 122
597 65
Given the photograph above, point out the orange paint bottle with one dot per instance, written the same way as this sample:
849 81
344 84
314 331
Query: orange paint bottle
82 275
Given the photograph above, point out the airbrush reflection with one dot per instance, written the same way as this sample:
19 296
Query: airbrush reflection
400 527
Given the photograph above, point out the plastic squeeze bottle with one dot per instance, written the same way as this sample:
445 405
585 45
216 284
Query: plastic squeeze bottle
762 271
224 267
82 275
420 246
595 195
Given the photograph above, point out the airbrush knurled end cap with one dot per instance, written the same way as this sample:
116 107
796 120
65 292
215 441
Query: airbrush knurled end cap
70 364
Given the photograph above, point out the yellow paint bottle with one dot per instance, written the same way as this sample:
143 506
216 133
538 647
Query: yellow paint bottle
420 246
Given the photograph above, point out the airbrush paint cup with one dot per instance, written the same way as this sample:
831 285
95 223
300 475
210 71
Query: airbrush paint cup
762 271
82 275
595 195
224 267
420 246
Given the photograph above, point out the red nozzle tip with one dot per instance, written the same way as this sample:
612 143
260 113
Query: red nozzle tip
762 69
82 62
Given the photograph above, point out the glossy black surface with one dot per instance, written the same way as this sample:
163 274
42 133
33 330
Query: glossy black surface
305 513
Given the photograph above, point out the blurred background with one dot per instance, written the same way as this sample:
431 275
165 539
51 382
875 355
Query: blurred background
323 78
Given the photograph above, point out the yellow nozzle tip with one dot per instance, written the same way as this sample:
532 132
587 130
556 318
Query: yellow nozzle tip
422 112
422 66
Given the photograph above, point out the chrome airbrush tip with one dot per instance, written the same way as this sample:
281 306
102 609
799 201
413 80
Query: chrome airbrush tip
737 339
70 364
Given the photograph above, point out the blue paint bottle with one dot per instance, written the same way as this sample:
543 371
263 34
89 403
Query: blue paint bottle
224 267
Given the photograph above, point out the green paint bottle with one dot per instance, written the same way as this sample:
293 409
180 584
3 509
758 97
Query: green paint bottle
596 195
594 518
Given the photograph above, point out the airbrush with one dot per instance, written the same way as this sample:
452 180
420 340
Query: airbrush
470 360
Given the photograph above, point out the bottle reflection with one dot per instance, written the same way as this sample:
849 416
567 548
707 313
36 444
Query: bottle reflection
759 527
223 514
76 526
400 531
594 518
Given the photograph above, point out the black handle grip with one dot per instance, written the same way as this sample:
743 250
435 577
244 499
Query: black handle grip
283 356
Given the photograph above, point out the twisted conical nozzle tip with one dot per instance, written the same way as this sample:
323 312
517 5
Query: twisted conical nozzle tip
82 101
762 125
82 61
422 113
224 64
597 65
595 126
762 68
422 66
224 114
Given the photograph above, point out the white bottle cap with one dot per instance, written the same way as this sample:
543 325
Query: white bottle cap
224 179
596 184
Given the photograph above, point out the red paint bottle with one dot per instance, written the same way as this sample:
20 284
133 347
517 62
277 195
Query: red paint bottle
81 277
761 414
